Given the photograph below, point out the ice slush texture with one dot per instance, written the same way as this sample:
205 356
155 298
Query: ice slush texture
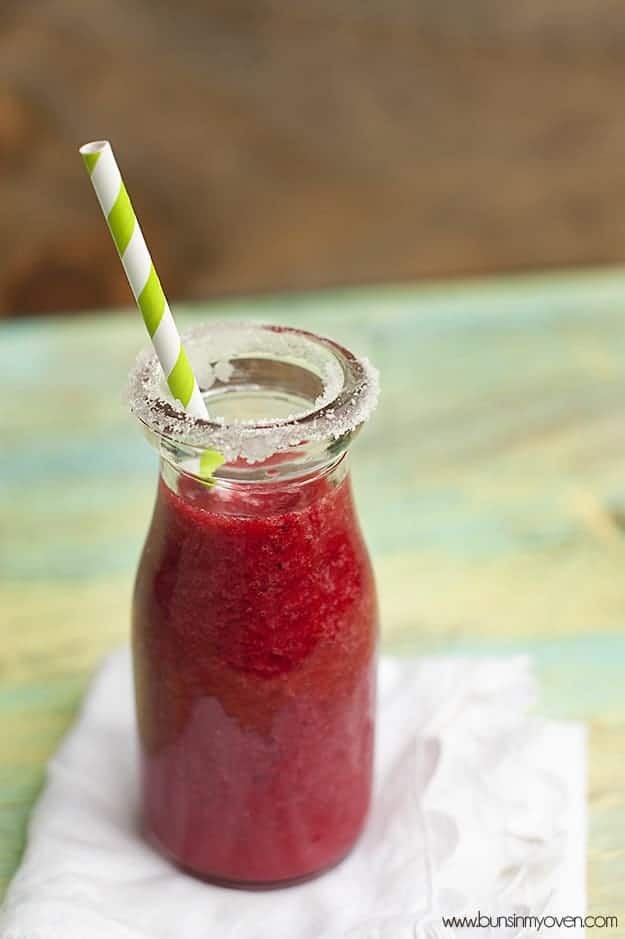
255 627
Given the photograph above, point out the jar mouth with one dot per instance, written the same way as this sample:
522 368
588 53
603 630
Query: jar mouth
268 389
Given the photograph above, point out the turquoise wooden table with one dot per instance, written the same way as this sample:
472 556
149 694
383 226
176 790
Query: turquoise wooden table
491 485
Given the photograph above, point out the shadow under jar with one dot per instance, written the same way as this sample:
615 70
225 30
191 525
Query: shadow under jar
254 615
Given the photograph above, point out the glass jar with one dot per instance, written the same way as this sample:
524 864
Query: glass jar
255 618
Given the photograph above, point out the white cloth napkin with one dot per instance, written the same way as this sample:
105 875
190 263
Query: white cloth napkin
477 806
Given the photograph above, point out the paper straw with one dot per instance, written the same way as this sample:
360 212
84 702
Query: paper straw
122 222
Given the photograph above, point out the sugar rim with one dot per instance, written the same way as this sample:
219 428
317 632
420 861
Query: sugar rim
350 393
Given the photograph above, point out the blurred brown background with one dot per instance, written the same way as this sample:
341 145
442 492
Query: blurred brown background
272 144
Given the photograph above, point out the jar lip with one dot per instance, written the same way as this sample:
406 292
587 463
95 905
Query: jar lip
349 393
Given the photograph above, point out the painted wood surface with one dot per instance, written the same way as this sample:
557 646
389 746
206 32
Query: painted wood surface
491 485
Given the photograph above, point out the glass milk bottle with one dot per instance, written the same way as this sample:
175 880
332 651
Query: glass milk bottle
255 617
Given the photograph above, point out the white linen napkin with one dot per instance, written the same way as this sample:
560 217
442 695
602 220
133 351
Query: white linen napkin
477 807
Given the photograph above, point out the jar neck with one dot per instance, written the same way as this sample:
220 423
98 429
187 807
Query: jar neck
254 492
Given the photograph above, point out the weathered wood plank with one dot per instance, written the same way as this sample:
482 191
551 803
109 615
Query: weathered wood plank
276 145
491 485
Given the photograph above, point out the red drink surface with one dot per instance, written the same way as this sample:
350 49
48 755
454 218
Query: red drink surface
255 628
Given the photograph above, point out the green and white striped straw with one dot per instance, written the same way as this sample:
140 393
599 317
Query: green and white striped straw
115 203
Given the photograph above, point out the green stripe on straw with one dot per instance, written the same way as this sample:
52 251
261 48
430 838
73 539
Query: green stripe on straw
90 160
181 377
121 220
152 301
